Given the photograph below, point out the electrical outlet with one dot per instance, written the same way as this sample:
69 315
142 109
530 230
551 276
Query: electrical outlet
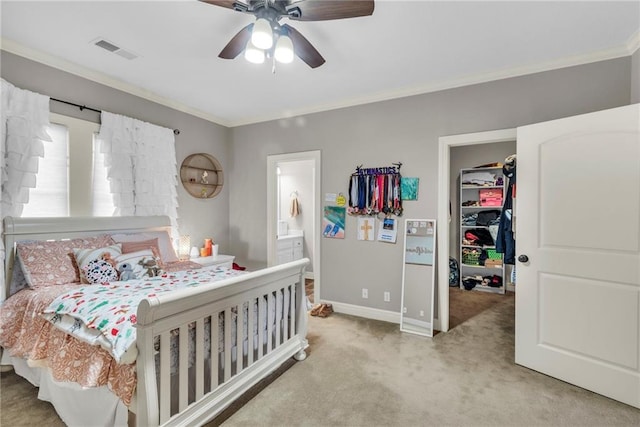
421 313
404 310
365 293
387 297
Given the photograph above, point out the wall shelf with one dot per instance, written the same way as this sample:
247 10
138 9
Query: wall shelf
201 175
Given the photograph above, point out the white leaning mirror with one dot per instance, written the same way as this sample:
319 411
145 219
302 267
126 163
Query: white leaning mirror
418 277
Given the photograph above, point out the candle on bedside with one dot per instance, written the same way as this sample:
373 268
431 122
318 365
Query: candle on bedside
204 252
208 243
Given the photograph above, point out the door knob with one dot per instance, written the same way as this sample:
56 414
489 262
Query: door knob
523 258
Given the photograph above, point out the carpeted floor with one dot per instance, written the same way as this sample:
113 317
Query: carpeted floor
363 372
463 304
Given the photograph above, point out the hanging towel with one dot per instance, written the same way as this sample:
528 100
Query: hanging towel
295 208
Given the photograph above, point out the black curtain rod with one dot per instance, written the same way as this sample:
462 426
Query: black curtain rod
84 107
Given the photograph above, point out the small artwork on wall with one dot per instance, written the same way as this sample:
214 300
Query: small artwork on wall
367 228
333 220
409 188
388 230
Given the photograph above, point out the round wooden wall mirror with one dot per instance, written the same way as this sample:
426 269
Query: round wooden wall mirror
201 175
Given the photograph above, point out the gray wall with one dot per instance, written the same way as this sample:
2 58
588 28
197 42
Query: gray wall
197 217
403 130
635 77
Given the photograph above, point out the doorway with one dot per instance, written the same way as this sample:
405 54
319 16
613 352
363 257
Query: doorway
446 144
295 176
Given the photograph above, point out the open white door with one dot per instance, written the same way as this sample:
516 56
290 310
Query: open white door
578 222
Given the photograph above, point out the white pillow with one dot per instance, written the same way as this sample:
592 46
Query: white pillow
167 253
138 265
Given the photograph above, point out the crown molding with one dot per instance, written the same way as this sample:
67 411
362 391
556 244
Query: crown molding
627 49
619 52
95 76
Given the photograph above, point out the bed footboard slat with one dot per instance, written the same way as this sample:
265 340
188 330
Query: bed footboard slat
239 337
270 305
199 367
250 328
183 372
285 315
227 344
261 327
213 354
278 316
165 377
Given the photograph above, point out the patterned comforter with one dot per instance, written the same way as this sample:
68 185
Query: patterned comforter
25 333
105 314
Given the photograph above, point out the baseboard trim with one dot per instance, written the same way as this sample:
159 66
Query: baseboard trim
366 312
309 275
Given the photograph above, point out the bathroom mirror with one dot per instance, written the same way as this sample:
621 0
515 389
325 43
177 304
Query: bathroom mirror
418 277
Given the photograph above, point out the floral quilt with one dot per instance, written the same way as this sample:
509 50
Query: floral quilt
105 314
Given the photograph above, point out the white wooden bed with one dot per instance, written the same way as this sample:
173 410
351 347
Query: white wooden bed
196 392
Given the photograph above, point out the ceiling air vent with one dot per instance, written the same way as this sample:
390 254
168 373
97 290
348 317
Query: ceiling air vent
106 45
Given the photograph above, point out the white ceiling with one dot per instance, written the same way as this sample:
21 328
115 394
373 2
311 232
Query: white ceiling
404 48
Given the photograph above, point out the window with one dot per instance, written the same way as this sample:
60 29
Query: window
72 177
51 195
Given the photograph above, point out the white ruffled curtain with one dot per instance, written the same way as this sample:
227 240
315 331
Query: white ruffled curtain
24 117
141 166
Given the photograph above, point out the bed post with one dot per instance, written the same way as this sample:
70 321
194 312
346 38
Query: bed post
301 317
147 410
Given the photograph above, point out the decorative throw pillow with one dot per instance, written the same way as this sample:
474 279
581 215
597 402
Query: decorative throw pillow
100 271
128 247
52 263
93 263
167 253
138 265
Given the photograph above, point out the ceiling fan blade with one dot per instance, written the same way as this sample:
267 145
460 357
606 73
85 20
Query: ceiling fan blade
237 44
322 10
238 5
303 48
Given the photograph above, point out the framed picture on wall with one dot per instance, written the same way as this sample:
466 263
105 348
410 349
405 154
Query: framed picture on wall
387 231
409 188
333 220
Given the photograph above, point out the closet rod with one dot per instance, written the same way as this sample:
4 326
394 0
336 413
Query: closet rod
84 107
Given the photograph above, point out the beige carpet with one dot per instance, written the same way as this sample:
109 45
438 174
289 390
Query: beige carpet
463 304
366 373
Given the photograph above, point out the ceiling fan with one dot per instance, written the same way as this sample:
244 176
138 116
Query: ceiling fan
267 37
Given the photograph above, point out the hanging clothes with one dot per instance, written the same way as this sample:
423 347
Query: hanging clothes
374 193
506 242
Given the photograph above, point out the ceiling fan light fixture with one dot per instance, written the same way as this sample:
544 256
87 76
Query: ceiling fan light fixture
253 54
284 50
262 35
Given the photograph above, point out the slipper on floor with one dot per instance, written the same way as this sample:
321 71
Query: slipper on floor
315 311
326 311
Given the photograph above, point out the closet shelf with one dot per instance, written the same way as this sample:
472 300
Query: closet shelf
475 187
478 247
483 267
486 197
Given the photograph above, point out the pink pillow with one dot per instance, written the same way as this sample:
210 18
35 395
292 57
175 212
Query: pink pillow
164 242
128 247
52 263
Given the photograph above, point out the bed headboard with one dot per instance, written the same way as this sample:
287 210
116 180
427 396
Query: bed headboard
17 229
